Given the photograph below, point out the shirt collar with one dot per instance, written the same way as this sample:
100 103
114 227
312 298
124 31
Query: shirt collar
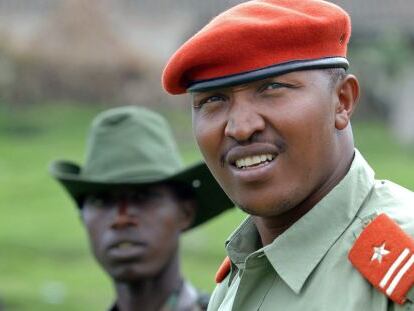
242 242
296 252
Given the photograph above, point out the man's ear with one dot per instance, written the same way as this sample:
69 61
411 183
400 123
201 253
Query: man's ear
348 95
189 209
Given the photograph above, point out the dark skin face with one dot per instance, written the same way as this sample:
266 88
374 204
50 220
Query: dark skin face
278 145
135 233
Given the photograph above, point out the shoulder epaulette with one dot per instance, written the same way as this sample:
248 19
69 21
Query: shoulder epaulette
224 270
384 255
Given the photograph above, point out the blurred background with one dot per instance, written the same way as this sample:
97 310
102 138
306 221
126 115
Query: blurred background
63 61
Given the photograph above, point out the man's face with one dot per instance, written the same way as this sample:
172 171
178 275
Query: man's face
269 143
134 234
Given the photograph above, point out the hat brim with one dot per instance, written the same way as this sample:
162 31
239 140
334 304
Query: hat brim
210 198
263 73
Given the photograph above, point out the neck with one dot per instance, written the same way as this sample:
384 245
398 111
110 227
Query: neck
270 228
150 293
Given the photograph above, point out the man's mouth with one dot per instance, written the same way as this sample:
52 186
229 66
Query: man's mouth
126 250
254 161
124 245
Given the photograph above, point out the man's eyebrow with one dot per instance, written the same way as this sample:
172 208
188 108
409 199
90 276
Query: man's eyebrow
195 93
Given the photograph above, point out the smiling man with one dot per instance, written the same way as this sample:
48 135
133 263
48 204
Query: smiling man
135 199
272 102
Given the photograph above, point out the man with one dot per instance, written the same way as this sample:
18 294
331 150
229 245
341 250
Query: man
135 199
272 103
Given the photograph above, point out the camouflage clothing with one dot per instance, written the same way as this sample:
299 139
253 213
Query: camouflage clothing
186 299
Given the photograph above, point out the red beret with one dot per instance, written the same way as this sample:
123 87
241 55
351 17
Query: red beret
258 39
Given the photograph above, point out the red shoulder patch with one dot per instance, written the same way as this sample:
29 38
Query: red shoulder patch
223 270
384 255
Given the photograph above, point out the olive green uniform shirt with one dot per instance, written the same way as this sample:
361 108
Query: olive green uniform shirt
307 267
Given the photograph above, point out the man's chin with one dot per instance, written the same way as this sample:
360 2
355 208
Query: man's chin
266 210
129 274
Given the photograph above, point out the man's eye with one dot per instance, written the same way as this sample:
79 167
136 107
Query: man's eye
98 201
209 100
140 197
212 99
144 196
274 86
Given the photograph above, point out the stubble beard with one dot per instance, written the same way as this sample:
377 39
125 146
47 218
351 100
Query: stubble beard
272 211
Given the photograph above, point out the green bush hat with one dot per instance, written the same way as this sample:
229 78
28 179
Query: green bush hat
132 147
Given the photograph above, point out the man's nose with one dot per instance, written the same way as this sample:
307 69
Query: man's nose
123 217
243 121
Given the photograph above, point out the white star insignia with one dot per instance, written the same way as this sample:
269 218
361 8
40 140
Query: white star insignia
379 252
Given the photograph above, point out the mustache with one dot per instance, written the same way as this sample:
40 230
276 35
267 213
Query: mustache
278 142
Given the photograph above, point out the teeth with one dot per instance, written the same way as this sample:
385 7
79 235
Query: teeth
242 162
254 160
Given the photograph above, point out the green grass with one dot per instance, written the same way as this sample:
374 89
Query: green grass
44 258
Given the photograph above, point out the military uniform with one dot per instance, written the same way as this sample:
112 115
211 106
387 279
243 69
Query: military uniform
326 260
186 299
307 267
